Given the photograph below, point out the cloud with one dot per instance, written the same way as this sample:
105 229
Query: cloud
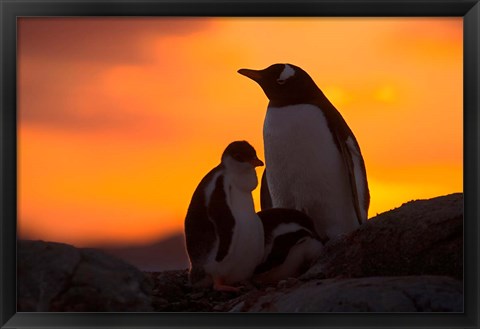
64 62
74 99
123 40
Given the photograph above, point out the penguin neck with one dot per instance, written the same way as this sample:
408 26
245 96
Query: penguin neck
243 182
239 187
316 96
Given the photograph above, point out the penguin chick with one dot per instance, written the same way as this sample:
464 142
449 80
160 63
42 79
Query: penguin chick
313 161
291 245
223 233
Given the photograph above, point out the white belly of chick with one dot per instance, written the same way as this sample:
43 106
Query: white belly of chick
247 245
305 169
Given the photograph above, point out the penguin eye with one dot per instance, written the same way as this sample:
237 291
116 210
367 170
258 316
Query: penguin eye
281 81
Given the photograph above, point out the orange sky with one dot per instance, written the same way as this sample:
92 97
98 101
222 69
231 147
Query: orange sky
120 118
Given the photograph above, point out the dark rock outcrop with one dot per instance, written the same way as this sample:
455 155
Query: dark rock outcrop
373 294
423 237
59 277
43 271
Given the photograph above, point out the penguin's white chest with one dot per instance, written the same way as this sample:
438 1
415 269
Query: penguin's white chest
305 169
247 245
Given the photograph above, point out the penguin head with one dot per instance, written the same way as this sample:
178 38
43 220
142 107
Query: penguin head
241 154
284 84
239 160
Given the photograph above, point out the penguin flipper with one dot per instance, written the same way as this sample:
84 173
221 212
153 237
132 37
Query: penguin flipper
220 214
357 175
198 228
265 197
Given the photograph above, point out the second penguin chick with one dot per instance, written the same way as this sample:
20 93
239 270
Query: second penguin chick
223 233
291 244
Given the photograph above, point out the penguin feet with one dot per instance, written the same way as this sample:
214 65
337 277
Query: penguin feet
219 285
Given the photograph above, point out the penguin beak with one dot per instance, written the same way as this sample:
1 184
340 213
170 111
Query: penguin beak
255 75
256 162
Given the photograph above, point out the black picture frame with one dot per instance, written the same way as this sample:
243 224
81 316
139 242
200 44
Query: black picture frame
10 10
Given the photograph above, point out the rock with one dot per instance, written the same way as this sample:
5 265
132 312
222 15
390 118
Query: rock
170 284
59 277
421 237
405 260
287 283
44 271
374 294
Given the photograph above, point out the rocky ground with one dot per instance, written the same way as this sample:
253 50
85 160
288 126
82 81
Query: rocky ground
372 294
409 259
172 293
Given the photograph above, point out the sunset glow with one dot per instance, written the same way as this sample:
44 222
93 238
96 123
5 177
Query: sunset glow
120 118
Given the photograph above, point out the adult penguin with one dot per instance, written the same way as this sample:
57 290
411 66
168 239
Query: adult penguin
313 161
